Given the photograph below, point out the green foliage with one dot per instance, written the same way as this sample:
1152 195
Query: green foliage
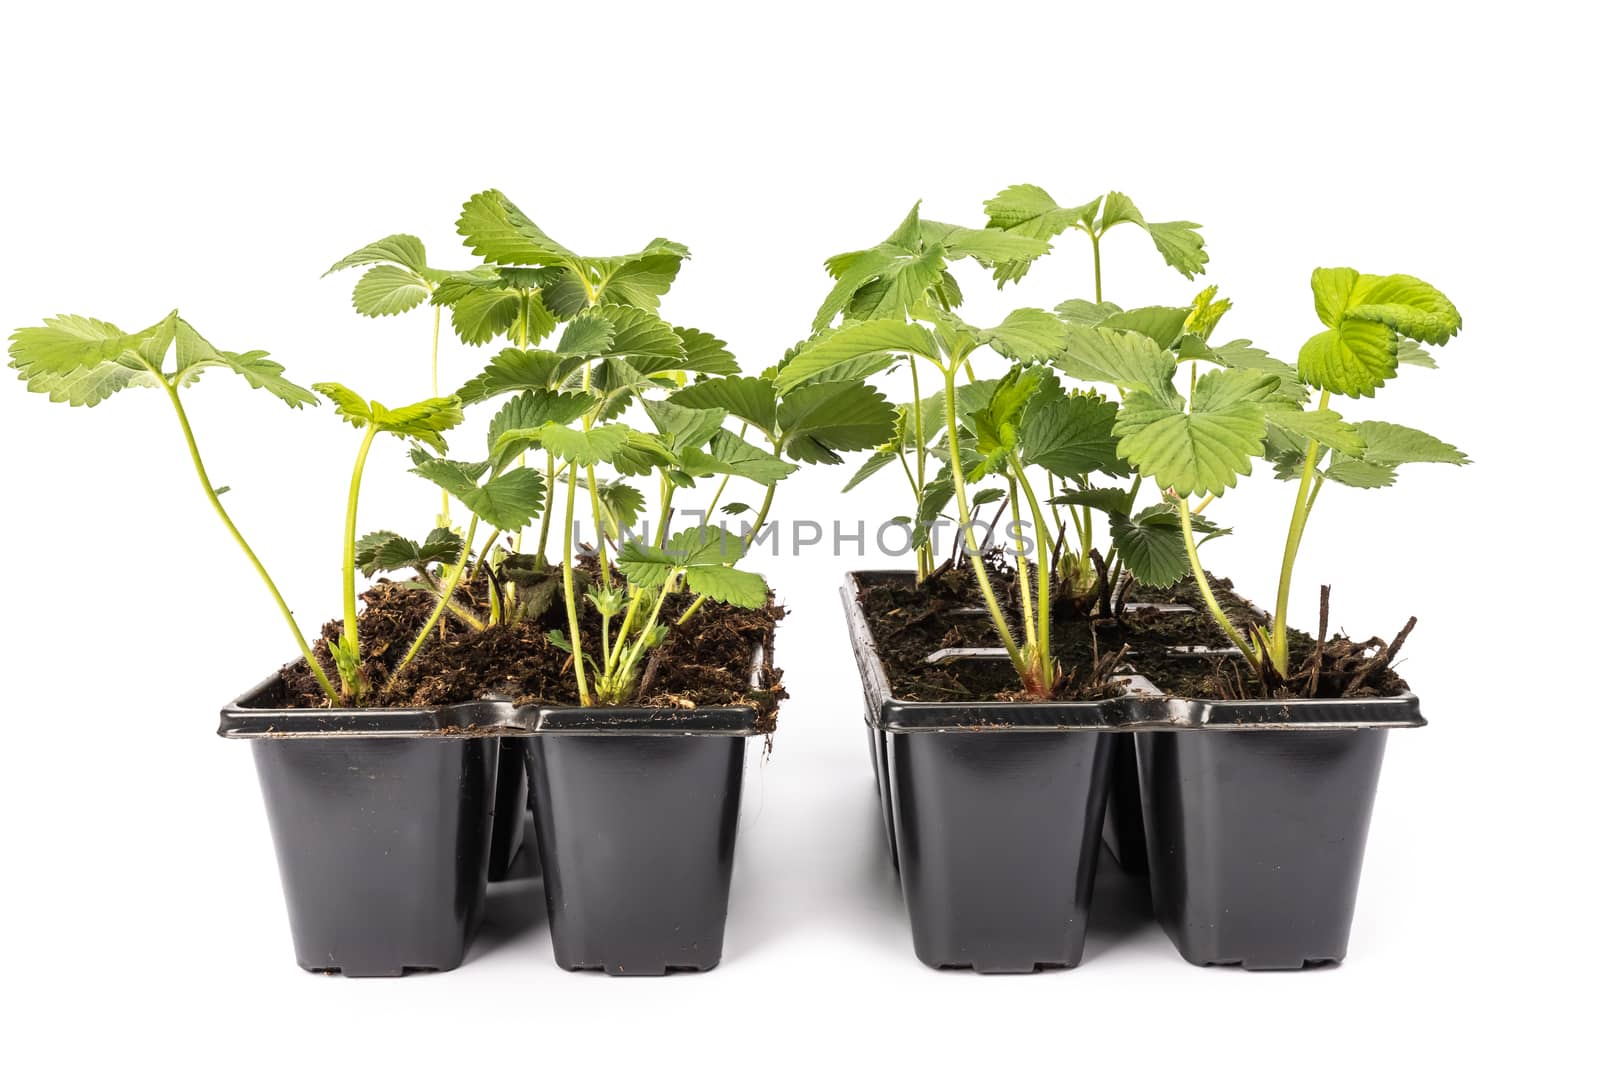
385 550
1027 210
705 557
1366 316
424 421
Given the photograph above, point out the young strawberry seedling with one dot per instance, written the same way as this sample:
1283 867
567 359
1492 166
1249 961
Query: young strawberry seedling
82 361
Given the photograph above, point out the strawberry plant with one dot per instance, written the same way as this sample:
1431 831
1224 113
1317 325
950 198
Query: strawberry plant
82 361
1197 442
898 303
615 352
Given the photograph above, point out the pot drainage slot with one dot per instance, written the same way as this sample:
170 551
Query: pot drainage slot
945 654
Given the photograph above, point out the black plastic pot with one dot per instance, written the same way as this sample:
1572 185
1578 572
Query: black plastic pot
1256 814
637 811
382 822
996 814
1251 817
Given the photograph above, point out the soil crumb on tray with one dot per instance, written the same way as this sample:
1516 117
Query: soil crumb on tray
706 662
909 622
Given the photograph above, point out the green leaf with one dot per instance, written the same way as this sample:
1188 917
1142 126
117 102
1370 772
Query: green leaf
884 282
875 463
1178 242
423 421
987 496
1163 325
1356 473
640 281
389 290
1086 312
1029 211
588 334
1409 306
855 350
401 249
1354 358
1409 352
1111 501
684 427
1203 449
1242 355
507 501
1070 436
621 505
704 555
1324 426
1150 544
598 444
1030 335
705 354
739 588
480 314
1388 443
995 423
819 421
385 550
531 411
641 453
937 493
731 455
195 354
68 343
1366 316
642 339
1129 361
752 399
515 370
496 230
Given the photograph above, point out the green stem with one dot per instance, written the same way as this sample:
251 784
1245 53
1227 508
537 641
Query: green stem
1205 587
1094 242
1046 663
959 479
244 546
1278 647
749 538
599 527
444 599
352 634
1022 559
444 497
572 602
544 519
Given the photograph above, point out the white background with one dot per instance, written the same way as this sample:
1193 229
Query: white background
219 158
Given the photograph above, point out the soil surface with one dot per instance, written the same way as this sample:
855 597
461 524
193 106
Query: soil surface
704 663
910 622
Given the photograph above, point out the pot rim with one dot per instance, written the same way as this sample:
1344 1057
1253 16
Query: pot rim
1142 708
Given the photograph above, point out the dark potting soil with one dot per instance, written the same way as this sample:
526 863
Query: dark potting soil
704 663
910 622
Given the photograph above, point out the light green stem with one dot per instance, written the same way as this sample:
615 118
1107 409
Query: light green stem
1278 646
1046 664
1094 242
959 479
444 496
544 519
567 588
351 639
244 546
444 599
1205 587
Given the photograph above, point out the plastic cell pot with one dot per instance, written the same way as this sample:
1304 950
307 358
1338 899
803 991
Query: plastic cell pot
996 812
637 813
1256 814
381 818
